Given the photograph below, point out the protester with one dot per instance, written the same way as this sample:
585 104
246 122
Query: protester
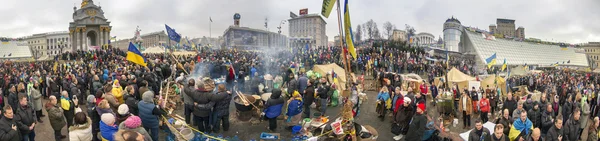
402 119
535 115
547 119
510 103
571 128
465 107
130 100
222 101
68 106
56 116
516 114
37 101
123 113
484 105
134 123
593 130
499 133
556 132
417 125
294 110
188 100
117 91
309 97
382 102
25 115
521 126
149 113
82 128
479 133
535 135
128 135
273 109
108 128
202 106
322 93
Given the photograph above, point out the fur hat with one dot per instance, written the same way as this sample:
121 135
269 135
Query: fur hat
133 122
108 118
123 109
406 99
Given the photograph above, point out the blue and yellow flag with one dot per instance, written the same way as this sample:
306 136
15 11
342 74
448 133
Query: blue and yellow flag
491 60
135 56
504 65
348 31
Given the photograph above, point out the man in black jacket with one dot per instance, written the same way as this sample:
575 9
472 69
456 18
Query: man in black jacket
556 133
309 97
571 130
535 115
479 133
323 96
130 100
417 125
188 91
510 103
9 128
221 112
13 97
202 106
547 119
26 116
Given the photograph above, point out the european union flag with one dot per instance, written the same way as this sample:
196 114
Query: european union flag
172 34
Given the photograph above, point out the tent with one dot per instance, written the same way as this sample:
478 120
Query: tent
518 71
185 53
455 77
339 71
154 50
500 82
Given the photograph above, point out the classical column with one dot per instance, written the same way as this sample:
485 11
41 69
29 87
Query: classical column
101 37
79 41
85 40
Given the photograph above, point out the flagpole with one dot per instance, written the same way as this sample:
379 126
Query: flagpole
346 65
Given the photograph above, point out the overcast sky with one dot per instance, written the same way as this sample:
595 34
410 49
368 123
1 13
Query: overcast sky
558 20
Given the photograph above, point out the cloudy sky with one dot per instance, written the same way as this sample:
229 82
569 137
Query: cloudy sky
557 20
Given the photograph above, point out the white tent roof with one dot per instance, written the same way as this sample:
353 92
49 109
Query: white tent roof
14 50
154 50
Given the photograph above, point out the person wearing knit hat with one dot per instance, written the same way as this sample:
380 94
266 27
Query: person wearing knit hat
417 124
149 113
402 119
134 123
107 126
123 113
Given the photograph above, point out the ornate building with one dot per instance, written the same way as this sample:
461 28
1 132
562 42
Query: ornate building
89 29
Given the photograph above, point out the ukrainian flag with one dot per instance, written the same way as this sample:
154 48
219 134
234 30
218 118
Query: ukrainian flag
491 60
348 31
135 56
504 65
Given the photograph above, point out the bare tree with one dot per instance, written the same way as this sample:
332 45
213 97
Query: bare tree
388 29
358 34
370 27
376 33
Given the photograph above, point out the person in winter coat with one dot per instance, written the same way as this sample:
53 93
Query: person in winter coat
75 91
535 135
56 117
273 110
134 123
110 97
202 106
187 92
547 119
130 100
382 99
510 103
567 109
556 132
322 93
479 133
535 115
506 121
585 114
294 110
402 117
129 135
82 128
13 100
123 113
221 112
309 97
96 85
464 105
94 116
571 130
484 107
143 89
26 116
9 128
499 133
417 125
149 113
593 130
516 114
37 101
68 106
108 127
117 91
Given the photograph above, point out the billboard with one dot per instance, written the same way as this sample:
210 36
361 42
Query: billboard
303 11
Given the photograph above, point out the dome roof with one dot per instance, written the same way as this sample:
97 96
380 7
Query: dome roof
453 20
237 16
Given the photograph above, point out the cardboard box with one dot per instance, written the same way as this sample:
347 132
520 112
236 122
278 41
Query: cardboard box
373 132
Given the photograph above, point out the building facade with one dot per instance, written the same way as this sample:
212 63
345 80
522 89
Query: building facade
520 32
506 27
399 35
592 51
424 38
251 39
452 34
307 29
46 45
89 27
151 39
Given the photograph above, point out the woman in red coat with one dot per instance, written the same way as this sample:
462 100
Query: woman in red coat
484 105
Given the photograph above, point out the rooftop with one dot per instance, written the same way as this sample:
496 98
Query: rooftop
14 50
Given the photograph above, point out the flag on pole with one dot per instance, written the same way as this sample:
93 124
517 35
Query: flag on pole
210 18
172 34
327 7
348 31
491 60
504 65
135 56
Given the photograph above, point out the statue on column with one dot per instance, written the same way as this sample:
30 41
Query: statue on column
138 39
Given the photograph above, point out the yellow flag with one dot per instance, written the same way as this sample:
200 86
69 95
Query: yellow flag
327 6
348 31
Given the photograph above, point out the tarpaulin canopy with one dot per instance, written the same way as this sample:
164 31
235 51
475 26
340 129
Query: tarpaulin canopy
455 75
518 71
154 50
491 79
